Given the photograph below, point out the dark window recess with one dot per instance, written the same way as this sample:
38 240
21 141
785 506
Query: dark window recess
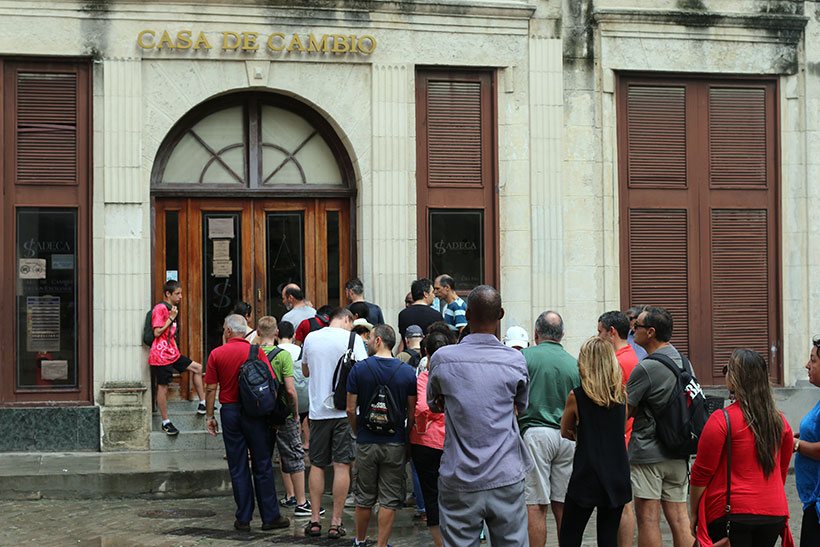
457 246
46 311
172 245
222 275
285 255
333 273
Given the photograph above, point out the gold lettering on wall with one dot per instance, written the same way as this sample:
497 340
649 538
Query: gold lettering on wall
249 42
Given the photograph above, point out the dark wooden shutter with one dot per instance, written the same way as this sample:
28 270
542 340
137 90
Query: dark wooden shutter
740 284
656 133
659 265
47 150
454 137
737 137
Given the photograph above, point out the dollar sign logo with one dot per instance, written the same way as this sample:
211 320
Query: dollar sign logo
222 300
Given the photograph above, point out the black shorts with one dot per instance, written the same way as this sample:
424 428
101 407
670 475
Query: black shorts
164 374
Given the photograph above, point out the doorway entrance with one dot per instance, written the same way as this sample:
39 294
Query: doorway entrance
225 251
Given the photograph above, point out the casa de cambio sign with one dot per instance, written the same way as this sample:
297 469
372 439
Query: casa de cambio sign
251 42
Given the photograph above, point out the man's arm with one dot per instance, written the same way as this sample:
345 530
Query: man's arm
435 398
569 421
352 401
172 314
210 420
411 414
290 389
636 388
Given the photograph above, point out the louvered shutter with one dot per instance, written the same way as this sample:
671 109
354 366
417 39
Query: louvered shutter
45 137
454 136
737 137
658 265
740 284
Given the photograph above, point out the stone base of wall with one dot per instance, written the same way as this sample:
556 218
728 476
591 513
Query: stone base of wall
125 417
50 429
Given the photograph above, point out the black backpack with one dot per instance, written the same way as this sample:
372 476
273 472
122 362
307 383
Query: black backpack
343 367
382 415
281 410
257 386
415 357
148 327
314 324
679 423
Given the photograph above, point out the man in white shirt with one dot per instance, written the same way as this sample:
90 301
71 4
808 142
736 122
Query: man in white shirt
293 299
331 439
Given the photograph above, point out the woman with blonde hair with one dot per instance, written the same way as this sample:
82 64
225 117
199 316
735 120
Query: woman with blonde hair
595 418
736 485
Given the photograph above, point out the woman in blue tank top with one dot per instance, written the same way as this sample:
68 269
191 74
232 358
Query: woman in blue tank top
595 418
807 459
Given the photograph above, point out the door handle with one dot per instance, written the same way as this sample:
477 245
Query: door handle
258 295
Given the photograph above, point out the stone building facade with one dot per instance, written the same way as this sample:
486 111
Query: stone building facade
530 100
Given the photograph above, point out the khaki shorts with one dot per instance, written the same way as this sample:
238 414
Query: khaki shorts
666 480
380 474
552 465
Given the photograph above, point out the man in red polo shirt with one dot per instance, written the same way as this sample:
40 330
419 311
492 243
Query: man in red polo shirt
239 432
613 326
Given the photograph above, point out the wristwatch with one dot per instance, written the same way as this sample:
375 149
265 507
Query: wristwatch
796 445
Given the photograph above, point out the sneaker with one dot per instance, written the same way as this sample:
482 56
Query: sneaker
304 510
281 522
200 409
288 501
169 429
350 501
365 543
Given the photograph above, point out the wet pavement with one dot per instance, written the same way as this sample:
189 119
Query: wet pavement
203 521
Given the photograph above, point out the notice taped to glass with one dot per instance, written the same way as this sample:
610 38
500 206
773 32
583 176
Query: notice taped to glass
43 323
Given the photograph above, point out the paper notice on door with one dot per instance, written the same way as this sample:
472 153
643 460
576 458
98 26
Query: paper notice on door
222 268
220 228
222 249
31 268
43 323
54 370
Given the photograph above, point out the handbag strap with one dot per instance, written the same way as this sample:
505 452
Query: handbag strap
728 469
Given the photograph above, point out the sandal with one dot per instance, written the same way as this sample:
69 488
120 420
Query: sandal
336 531
313 529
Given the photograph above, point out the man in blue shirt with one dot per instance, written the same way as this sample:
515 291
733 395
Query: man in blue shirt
455 310
380 456
479 384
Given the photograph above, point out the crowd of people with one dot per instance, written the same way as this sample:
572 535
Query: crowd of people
493 430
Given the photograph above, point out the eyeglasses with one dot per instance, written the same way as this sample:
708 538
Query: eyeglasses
639 326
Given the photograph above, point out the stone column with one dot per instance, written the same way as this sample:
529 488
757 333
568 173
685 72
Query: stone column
122 256
387 202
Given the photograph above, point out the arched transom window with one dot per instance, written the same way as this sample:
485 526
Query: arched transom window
255 141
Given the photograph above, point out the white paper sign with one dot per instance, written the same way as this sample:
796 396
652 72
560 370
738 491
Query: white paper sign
220 228
31 268
54 370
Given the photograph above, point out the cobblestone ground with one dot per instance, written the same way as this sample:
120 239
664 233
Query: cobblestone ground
124 522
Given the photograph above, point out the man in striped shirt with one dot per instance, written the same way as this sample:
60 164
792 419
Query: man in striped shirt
455 312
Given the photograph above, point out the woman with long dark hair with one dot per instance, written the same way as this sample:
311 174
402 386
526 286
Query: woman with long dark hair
595 418
807 459
761 447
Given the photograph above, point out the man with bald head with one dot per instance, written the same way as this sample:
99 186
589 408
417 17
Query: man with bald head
553 374
293 299
480 384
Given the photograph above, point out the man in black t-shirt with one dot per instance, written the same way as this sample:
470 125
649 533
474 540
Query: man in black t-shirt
419 312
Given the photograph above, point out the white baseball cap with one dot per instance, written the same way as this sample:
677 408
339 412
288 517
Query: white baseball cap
516 337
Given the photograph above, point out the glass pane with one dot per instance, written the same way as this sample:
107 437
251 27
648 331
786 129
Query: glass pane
46 310
457 246
221 135
172 246
285 134
285 256
333 258
222 272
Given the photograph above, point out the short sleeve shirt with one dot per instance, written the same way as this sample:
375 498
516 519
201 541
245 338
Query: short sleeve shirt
649 388
164 350
223 367
364 379
321 353
297 315
553 374
455 314
282 366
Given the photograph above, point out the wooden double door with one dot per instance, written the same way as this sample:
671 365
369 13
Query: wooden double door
224 251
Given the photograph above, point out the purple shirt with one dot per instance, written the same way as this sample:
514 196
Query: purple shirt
481 379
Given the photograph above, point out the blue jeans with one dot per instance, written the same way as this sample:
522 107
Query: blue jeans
241 434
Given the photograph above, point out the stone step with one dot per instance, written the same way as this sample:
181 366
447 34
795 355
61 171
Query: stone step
186 440
184 421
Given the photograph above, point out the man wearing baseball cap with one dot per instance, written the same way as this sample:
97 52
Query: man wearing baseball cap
517 338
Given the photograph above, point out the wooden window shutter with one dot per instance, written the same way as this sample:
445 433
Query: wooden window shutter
738 148
656 136
659 265
454 135
45 136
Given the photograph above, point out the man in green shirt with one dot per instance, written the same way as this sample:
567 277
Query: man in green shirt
553 374
288 436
